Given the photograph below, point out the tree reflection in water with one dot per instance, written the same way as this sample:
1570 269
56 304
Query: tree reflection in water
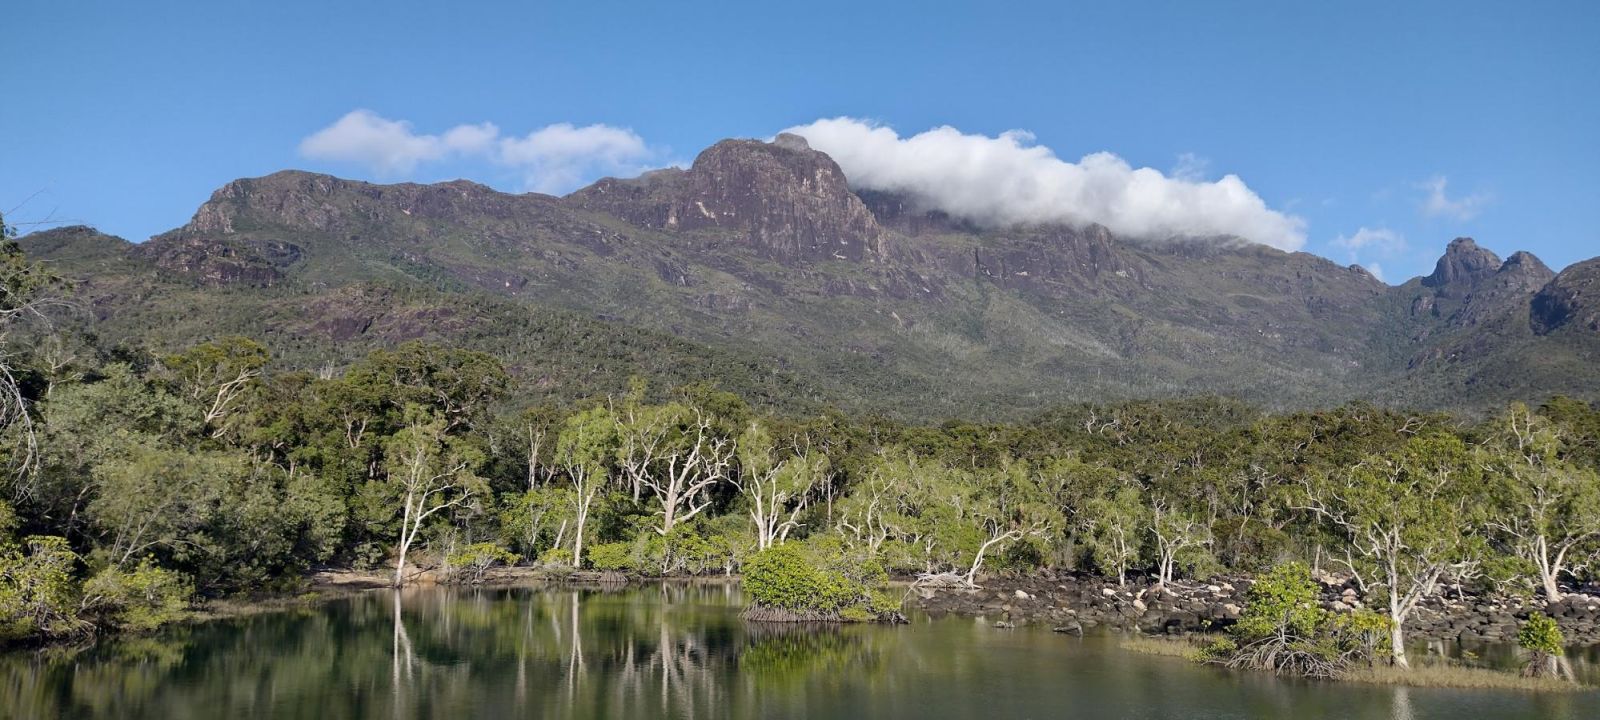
672 650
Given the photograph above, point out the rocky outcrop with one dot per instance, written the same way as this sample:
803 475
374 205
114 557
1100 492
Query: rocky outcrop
1463 263
782 198
218 262
1571 299
1470 285
1077 603
1473 306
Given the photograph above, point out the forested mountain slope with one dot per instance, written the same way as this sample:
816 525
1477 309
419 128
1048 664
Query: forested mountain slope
759 269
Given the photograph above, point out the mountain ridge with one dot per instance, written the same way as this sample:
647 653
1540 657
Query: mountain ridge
762 251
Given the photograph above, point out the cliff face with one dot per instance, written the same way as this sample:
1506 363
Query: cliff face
762 252
782 199
1570 301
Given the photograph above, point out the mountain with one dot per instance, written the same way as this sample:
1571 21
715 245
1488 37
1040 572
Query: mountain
758 268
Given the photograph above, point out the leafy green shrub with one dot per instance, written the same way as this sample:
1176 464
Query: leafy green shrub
617 557
556 556
1284 630
137 600
1540 634
38 593
1542 638
472 561
780 577
784 577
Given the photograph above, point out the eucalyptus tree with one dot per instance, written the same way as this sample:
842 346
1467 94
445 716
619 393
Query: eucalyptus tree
427 471
778 490
1176 530
1006 504
1112 523
1407 518
585 447
676 455
1547 507
874 511
215 375
459 385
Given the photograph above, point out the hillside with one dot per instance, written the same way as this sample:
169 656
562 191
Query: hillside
759 269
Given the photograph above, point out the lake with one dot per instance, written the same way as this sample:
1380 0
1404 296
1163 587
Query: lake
665 651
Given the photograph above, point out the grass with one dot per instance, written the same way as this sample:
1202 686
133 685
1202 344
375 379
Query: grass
1461 678
1436 675
1181 647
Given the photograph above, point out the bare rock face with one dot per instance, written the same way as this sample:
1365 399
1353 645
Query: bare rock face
217 263
783 198
1470 286
1523 272
312 202
1505 291
1571 299
1036 258
899 212
1463 263
299 199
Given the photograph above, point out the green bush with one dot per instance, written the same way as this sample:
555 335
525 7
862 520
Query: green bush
472 561
786 577
39 596
617 557
1284 599
1540 634
137 600
780 577
1284 630
556 556
1542 638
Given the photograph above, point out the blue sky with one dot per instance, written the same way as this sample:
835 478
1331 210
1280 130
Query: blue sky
127 115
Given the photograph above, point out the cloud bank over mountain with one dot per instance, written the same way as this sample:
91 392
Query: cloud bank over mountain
1009 180
994 181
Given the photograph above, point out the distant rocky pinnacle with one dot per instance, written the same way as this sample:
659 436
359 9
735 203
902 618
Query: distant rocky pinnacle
1463 262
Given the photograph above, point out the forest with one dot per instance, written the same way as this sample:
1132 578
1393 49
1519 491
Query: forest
140 481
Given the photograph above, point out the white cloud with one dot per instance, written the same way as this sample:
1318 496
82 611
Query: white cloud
386 147
1438 203
1008 180
559 157
1380 239
555 158
1191 167
1366 241
471 139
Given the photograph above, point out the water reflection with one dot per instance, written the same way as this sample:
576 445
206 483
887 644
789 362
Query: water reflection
674 650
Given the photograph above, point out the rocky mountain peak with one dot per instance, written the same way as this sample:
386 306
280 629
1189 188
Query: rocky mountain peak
1463 262
791 141
1571 299
792 202
1525 271
292 196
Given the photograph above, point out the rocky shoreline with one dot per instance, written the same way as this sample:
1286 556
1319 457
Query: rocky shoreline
1079 603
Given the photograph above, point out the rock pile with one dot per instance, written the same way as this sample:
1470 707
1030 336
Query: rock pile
1073 603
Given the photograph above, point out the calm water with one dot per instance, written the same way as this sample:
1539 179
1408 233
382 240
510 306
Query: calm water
675 652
